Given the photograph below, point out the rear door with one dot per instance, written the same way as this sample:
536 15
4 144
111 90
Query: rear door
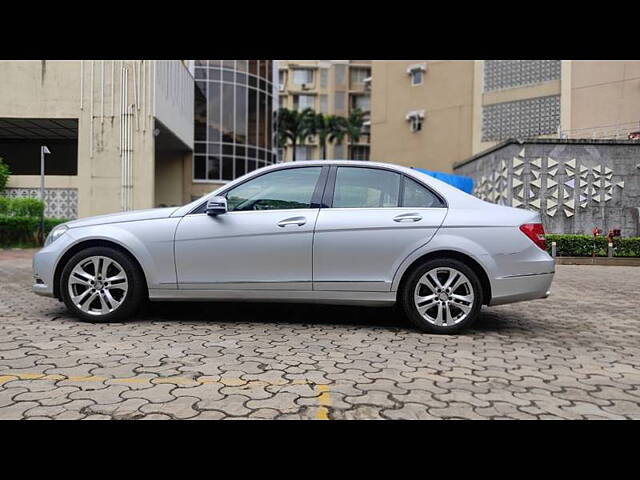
374 218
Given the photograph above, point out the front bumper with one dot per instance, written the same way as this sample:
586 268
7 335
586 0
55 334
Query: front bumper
44 265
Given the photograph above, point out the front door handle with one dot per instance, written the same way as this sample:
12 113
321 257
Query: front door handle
299 221
407 217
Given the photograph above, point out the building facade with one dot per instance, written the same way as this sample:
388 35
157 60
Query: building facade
119 132
334 87
433 114
422 112
235 104
135 133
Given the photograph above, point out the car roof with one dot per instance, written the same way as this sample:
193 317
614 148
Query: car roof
452 195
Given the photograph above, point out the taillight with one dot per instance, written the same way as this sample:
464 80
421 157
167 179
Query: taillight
535 231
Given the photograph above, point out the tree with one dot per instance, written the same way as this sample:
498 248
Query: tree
329 128
294 127
4 174
354 124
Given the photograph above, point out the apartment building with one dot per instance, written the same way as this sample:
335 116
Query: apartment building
334 87
422 112
435 113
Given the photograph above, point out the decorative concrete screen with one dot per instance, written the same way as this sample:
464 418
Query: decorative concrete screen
503 74
521 119
59 202
575 185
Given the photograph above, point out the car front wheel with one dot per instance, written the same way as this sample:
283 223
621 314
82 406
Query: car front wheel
442 296
101 284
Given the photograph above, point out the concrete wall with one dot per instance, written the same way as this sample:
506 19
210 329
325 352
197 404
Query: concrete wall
605 191
174 99
446 96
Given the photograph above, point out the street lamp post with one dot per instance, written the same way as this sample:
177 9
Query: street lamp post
43 151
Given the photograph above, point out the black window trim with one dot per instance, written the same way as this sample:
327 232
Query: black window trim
316 198
327 199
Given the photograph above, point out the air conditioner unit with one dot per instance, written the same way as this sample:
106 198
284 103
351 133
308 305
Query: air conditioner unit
419 67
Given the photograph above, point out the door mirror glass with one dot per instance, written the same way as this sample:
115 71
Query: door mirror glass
216 206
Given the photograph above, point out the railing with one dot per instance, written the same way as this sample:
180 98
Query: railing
621 131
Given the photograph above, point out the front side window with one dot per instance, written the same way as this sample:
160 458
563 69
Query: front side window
281 190
366 188
417 196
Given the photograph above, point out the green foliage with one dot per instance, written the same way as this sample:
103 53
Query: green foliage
21 207
582 245
627 247
20 222
295 127
4 174
354 124
22 231
329 128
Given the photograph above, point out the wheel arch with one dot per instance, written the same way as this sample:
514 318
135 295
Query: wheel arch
472 263
84 244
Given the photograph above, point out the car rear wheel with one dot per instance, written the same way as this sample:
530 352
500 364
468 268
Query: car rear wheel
442 296
101 284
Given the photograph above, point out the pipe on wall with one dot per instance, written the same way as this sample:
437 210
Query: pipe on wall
93 68
81 84
102 92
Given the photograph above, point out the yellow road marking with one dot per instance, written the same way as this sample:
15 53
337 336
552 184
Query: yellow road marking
324 401
225 381
6 378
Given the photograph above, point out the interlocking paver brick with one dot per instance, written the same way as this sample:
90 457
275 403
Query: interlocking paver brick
570 356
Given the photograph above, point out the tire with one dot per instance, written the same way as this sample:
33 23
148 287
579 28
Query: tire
444 312
100 302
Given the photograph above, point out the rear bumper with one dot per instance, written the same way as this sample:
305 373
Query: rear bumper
518 288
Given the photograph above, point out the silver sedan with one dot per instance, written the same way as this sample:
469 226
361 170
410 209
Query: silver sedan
339 232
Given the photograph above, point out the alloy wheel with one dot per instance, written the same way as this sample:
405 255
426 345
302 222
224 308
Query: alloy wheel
444 296
98 285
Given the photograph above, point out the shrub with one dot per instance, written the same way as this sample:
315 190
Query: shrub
4 174
22 231
582 245
21 207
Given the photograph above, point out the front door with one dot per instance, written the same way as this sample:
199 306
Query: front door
264 241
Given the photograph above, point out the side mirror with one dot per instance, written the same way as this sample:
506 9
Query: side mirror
216 206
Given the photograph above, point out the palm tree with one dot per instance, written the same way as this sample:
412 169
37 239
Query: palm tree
294 127
329 128
354 124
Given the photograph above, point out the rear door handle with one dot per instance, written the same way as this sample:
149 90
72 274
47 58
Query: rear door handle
299 221
407 217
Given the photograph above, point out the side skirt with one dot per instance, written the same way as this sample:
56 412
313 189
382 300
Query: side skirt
295 296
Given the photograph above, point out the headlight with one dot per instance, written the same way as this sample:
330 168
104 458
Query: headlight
55 234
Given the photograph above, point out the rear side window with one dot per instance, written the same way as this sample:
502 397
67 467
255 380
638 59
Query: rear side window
417 196
366 188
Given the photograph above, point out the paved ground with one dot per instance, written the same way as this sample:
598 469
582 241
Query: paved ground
575 355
